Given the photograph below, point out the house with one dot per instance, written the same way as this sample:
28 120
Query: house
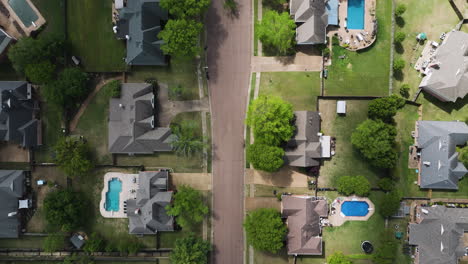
18 121
304 216
139 22
12 189
313 18
435 141
5 39
147 213
133 122
447 73
308 145
438 233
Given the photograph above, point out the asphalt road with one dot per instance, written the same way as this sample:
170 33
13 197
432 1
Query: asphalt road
229 52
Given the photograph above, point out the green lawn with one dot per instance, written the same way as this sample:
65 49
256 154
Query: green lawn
298 88
91 37
54 13
23 242
51 132
363 72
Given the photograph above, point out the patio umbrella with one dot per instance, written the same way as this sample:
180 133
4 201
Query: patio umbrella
422 36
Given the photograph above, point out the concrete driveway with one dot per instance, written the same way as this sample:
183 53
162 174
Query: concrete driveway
229 53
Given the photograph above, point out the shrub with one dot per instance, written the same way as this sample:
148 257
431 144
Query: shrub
399 64
115 88
386 184
188 206
93 244
399 37
400 10
190 249
358 185
264 157
338 258
404 90
265 230
54 242
385 108
463 155
390 203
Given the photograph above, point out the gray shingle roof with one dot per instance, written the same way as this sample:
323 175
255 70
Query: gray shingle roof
141 20
314 16
5 39
131 121
146 213
449 80
11 190
17 122
437 140
439 236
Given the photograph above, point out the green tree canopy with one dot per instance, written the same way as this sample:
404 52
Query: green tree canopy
64 209
190 250
187 141
265 230
399 37
94 243
338 258
73 157
385 108
181 37
400 10
404 90
390 203
386 184
399 64
41 72
277 31
463 155
271 118
68 90
188 207
358 185
54 242
375 140
185 8
264 157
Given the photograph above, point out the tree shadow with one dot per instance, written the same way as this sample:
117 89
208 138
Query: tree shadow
400 21
447 107
398 75
399 48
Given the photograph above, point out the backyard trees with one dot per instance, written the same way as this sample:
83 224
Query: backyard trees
64 209
404 90
68 89
463 155
265 230
265 157
399 37
338 258
180 37
73 156
277 31
390 203
190 249
185 8
187 142
375 140
94 243
188 206
54 242
385 108
400 10
358 185
41 72
398 65
386 184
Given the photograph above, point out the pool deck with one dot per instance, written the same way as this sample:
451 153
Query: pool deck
8 23
337 218
127 186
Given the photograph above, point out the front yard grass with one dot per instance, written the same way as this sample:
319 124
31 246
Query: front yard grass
89 26
298 88
364 72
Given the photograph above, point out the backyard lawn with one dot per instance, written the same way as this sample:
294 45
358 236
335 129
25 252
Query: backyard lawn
54 13
89 26
51 132
298 88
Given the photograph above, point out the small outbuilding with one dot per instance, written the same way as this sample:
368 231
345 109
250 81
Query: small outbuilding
341 107
77 241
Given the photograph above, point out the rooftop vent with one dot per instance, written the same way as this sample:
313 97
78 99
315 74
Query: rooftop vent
127 37
427 163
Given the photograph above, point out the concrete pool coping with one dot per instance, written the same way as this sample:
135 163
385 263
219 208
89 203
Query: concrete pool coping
7 23
125 194
337 218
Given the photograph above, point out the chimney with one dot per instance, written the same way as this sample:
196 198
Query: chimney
122 106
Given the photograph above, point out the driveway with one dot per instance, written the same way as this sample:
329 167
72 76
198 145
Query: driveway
229 52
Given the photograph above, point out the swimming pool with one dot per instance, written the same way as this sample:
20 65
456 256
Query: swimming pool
355 14
24 11
355 208
112 195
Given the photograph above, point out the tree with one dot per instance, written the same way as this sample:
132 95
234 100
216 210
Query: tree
385 108
185 8
358 185
463 155
180 38
398 65
277 31
190 250
361 186
68 90
265 230
270 117
400 10
390 203
404 90
54 242
399 37
40 73
386 184
375 140
73 157
64 209
264 157
230 5
187 142
338 258
94 243
78 259
188 207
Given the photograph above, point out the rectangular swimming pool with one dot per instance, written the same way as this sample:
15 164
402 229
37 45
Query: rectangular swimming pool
355 208
112 195
24 11
356 14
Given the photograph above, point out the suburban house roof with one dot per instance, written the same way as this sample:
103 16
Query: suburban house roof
447 75
11 190
439 235
303 215
140 23
5 39
17 122
305 148
77 241
147 213
133 120
314 16
437 140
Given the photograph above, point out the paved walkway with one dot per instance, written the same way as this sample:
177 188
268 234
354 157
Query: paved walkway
285 177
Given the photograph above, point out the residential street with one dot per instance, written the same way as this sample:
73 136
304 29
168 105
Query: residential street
229 51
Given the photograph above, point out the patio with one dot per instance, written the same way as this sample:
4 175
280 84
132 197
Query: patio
129 184
12 23
337 218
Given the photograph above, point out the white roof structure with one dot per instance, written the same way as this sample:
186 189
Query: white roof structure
341 107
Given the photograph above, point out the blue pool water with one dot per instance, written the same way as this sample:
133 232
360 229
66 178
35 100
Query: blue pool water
112 196
355 208
356 14
24 11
